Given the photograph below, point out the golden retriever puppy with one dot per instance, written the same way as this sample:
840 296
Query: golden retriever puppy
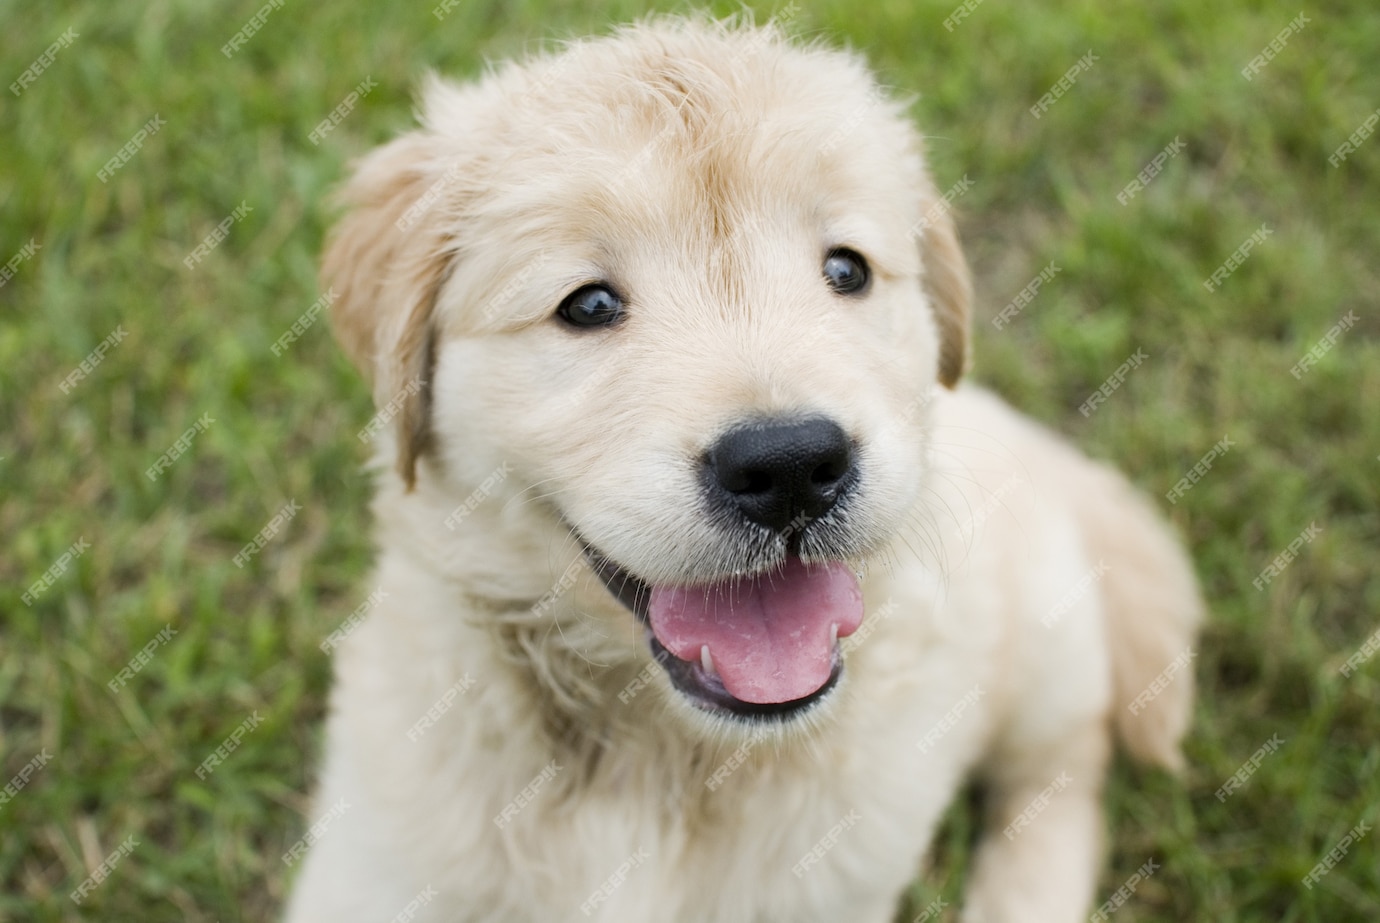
702 585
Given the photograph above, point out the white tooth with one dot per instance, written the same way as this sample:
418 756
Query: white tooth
834 634
706 661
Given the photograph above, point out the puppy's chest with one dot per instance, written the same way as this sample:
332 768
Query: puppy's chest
756 842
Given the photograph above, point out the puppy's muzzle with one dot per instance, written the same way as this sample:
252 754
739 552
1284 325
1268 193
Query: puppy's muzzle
759 641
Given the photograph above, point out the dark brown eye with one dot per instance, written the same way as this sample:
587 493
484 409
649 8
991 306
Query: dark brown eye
846 271
591 306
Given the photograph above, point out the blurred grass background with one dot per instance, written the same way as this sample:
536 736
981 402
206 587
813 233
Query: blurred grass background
198 342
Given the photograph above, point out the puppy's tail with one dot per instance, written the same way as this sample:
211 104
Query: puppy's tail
1153 610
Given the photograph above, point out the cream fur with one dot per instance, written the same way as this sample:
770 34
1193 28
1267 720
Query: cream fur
703 168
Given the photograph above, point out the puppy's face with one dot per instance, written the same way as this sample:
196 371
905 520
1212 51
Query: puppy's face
692 287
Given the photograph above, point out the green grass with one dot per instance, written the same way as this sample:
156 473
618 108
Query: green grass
197 342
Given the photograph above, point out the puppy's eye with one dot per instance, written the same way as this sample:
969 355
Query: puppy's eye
846 271
591 306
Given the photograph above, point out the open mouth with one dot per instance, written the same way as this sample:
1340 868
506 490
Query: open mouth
760 645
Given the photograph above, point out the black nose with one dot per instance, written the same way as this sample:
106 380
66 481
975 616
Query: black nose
782 474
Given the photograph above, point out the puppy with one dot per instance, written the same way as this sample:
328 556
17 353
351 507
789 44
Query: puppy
702 586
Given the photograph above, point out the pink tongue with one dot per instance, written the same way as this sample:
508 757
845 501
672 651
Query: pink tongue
768 635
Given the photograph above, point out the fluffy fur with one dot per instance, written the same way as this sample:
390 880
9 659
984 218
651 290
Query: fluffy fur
1019 597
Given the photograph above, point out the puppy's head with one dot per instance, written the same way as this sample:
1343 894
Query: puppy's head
690 284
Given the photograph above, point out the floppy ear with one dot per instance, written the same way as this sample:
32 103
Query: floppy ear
384 262
949 287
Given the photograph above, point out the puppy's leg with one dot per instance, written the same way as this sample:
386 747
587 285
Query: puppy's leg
346 874
1041 849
